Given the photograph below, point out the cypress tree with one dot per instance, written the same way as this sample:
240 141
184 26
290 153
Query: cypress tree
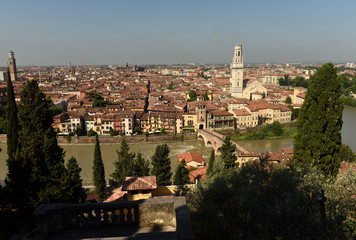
38 168
12 120
318 138
98 172
123 164
210 169
162 165
228 153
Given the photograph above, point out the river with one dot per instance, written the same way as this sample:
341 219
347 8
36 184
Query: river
84 152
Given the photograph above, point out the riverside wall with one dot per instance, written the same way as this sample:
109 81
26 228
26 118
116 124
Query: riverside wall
118 139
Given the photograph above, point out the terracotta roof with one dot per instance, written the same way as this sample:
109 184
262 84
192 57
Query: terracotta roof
188 157
241 112
198 173
116 195
139 183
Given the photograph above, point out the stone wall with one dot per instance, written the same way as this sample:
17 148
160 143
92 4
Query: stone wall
118 139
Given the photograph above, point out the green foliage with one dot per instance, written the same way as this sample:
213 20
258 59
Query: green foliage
350 101
80 130
123 164
192 95
252 202
228 153
36 174
276 128
137 130
91 133
288 100
209 171
3 121
181 175
318 138
285 81
98 172
98 100
73 182
140 166
346 154
161 165
163 131
12 120
300 82
295 112
171 86
205 96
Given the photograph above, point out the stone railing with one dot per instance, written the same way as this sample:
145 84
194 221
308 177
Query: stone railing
56 219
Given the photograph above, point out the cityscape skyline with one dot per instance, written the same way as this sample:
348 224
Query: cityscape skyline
93 33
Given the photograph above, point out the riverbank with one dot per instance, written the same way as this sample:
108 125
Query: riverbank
118 139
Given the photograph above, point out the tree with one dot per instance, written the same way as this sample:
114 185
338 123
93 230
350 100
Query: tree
276 128
210 170
346 154
258 202
318 138
123 164
192 96
205 96
285 81
171 86
38 158
73 182
162 165
98 172
300 82
288 100
228 152
181 175
91 132
140 166
12 120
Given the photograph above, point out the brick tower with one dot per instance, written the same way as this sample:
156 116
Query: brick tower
12 66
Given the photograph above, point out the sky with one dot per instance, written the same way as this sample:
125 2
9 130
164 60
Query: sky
82 32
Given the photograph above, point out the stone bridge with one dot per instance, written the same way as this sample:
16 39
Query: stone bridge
216 140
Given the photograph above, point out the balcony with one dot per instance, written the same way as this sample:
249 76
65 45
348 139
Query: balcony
161 218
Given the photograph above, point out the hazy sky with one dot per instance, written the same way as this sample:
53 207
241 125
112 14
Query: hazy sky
165 32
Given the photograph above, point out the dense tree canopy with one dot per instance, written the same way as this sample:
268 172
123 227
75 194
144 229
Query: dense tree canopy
192 95
273 202
318 138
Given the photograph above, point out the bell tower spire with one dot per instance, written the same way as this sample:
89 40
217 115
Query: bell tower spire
12 66
237 71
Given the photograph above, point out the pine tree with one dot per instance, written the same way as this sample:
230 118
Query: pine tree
98 172
181 175
210 169
140 166
73 182
161 165
228 153
123 164
318 138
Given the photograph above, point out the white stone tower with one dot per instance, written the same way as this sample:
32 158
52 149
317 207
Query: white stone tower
237 73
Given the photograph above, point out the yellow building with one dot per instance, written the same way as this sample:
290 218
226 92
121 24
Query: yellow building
139 187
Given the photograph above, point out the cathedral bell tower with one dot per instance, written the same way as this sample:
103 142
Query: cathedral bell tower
237 72
12 66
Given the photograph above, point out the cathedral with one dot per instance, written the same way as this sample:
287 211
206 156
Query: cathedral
241 88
